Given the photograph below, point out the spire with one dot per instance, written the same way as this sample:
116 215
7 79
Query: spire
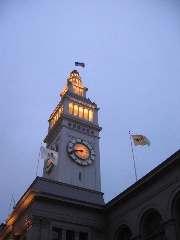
74 85
74 78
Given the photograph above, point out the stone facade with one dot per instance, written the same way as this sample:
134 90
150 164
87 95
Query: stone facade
67 202
149 209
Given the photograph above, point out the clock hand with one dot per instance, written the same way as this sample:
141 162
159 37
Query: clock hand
76 151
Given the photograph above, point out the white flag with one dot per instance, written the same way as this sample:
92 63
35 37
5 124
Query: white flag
140 140
49 154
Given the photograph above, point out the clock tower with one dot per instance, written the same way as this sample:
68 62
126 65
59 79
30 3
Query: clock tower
74 133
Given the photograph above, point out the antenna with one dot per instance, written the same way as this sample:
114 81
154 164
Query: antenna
12 202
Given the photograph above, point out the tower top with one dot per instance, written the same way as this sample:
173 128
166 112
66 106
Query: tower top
74 78
74 133
74 84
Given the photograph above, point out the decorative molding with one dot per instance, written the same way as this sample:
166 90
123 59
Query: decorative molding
146 198
137 237
57 127
72 136
80 98
168 222
35 220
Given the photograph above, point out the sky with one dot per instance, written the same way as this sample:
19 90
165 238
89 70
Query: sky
131 49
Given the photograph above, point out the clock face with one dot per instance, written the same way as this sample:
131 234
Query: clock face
81 151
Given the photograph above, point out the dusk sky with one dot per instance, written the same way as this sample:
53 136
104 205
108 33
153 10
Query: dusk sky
131 49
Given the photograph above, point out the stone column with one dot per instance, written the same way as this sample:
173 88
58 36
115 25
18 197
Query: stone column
33 229
76 235
38 228
44 228
63 234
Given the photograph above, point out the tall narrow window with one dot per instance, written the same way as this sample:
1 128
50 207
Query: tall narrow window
70 235
75 110
80 176
81 112
60 110
56 234
80 92
90 115
83 236
75 90
71 108
86 114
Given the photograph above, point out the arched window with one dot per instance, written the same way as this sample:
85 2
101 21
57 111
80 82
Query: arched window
152 227
124 233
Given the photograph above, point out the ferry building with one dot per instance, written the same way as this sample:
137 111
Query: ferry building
66 203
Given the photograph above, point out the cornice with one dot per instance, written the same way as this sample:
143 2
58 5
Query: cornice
57 126
76 98
51 190
151 177
147 198
69 94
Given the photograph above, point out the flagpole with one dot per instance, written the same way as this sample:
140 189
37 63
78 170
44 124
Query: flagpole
133 156
38 161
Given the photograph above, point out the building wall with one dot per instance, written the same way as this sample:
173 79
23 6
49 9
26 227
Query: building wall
159 194
49 206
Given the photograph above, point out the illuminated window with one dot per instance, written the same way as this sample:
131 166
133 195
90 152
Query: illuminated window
75 110
60 111
86 114
71 108
90 115
81 112
77 91
80 92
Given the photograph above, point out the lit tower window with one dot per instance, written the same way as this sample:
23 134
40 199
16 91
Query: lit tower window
81 112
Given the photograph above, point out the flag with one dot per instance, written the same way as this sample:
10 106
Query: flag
49 154
79 64
140 140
